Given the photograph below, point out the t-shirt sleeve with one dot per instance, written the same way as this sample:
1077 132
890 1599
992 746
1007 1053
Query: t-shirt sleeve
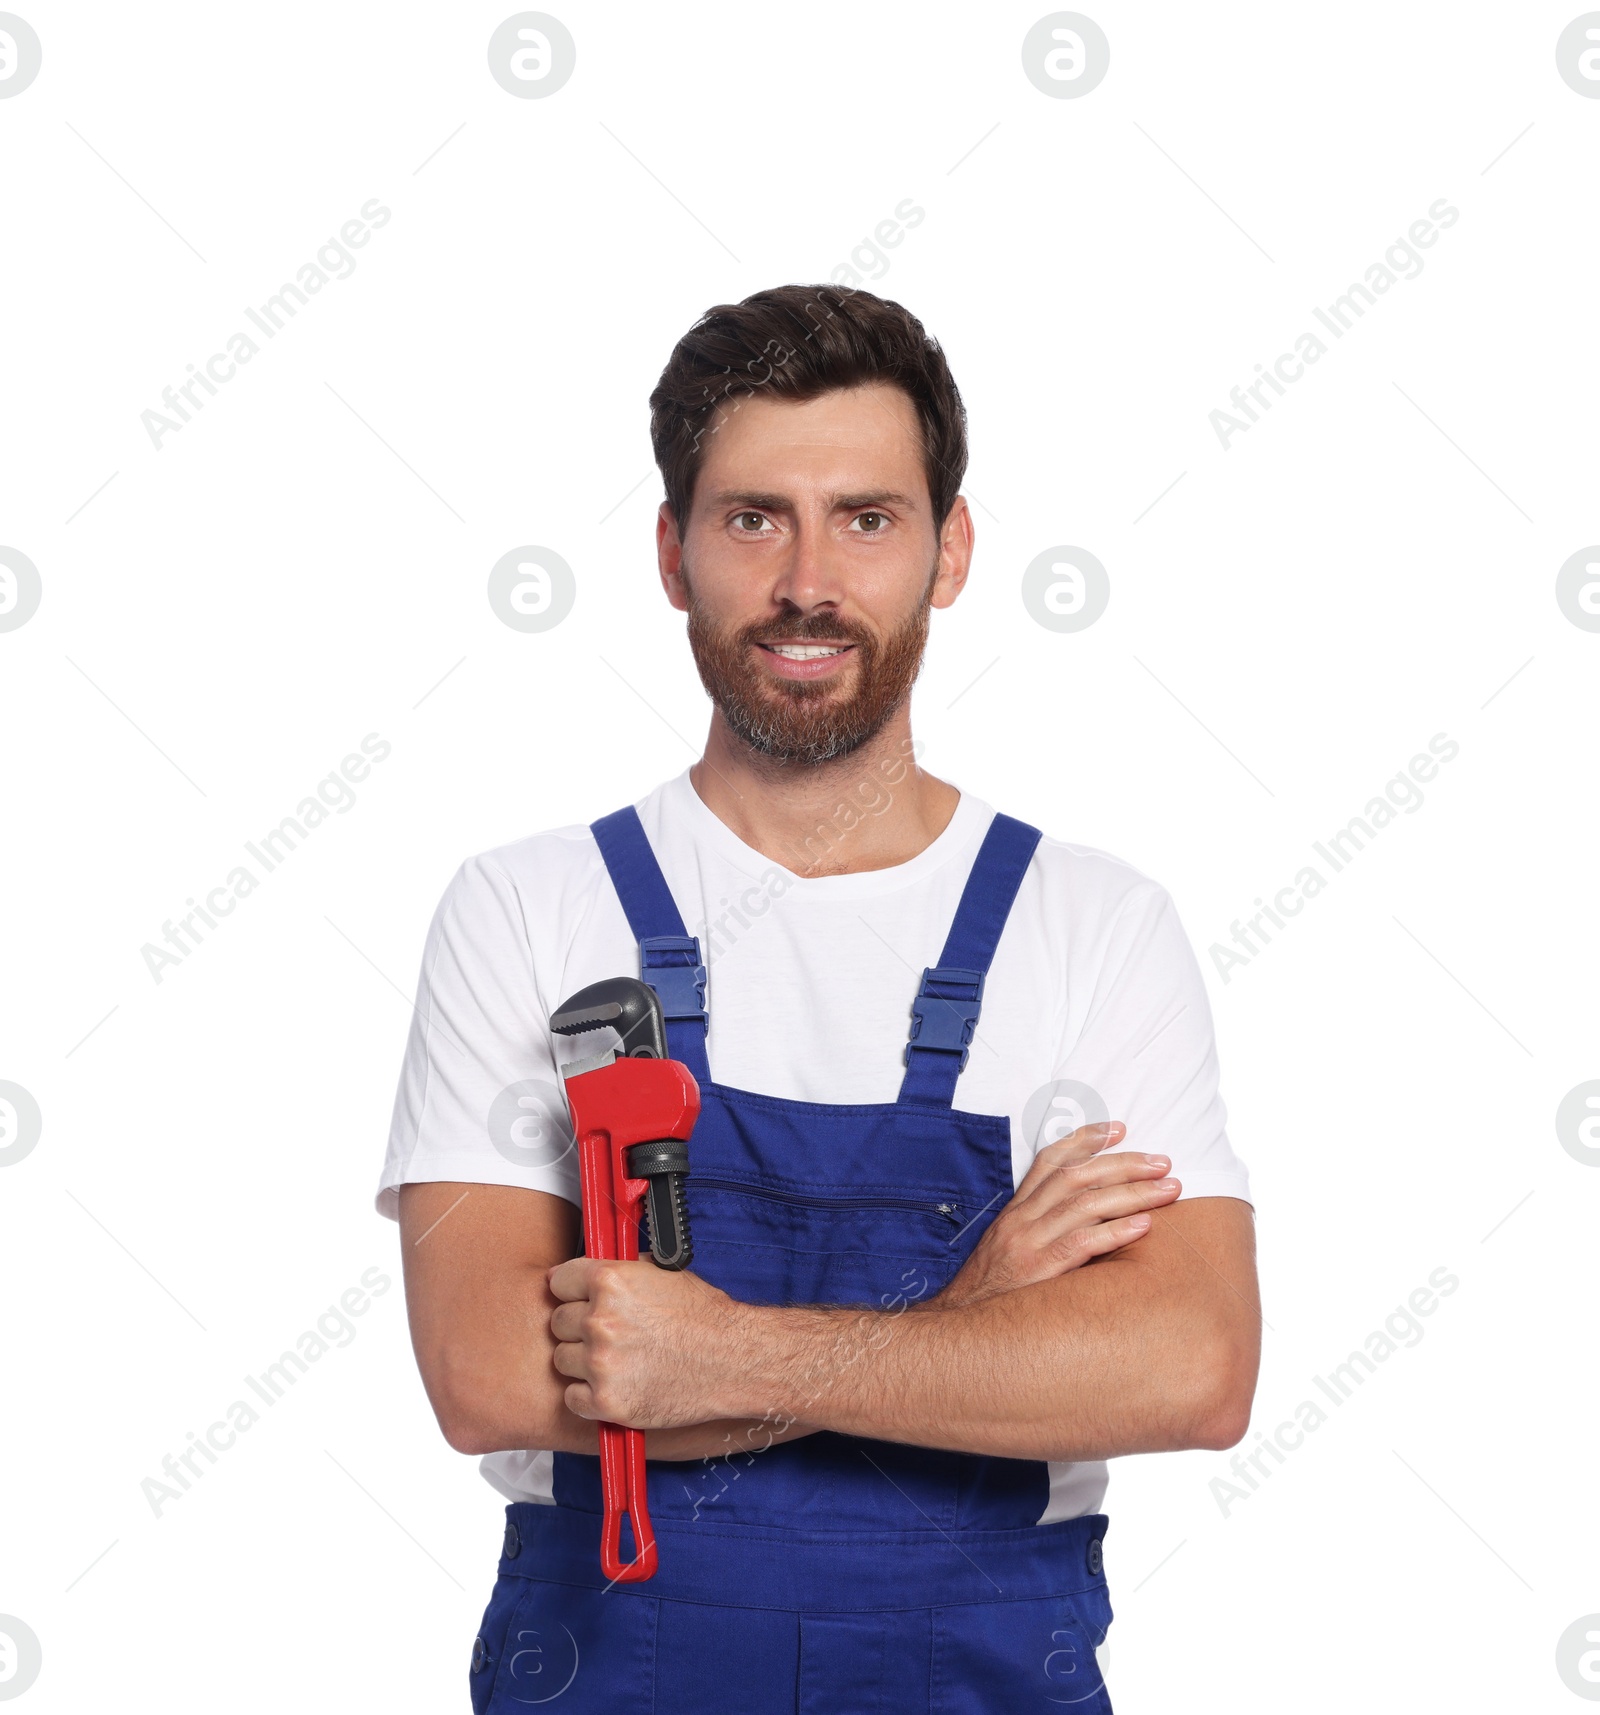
479 1098
1148 1049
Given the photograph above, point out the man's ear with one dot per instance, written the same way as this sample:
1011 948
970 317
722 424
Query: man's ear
669 557
955 554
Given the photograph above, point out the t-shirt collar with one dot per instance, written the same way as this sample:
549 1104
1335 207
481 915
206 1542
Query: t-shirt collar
681 803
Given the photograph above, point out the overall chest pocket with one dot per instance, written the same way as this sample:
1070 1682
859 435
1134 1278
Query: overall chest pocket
763 1244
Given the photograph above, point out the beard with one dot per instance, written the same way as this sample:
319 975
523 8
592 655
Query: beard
795 720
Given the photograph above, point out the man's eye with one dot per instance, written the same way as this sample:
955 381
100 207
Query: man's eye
871 522
750 522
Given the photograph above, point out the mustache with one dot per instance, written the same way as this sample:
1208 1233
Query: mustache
806 628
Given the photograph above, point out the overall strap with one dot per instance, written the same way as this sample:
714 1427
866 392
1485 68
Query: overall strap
945 1013
669 959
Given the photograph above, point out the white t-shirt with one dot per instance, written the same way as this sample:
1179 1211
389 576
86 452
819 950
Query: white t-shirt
1094 1008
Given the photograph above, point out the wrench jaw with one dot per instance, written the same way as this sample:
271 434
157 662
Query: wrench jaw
576 1068
628 1006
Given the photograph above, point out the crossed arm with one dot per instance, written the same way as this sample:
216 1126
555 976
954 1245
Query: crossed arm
1152 1348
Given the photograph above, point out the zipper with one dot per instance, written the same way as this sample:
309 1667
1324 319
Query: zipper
950 1211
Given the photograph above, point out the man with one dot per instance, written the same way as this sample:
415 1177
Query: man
919 1318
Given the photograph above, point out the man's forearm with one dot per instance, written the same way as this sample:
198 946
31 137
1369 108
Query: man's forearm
717 1439
525 1409
1121 1357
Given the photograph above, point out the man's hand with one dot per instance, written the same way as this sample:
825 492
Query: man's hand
477 1261
644 1346
1072 1206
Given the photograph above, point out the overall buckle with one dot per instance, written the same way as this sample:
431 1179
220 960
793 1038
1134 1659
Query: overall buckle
944 1015
671 965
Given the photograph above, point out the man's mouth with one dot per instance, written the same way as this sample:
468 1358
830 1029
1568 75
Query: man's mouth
805 651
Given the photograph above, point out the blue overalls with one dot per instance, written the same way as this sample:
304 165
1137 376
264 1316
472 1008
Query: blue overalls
833 1574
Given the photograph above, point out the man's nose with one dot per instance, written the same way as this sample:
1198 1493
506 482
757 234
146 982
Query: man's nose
811 575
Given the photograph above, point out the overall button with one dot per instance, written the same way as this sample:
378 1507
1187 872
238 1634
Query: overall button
480 1655
513 1544
1096 1560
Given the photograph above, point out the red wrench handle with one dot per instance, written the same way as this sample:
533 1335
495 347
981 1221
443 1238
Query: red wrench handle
611 1229
622 1474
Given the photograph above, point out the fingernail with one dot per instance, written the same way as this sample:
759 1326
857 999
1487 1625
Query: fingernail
1138 1220
1166 1185
1158 1160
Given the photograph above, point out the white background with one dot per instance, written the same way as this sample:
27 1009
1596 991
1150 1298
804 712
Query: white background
1372 564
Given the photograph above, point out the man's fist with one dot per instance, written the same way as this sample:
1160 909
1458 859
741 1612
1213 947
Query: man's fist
641 1343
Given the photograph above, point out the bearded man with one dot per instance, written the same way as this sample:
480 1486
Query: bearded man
928 1300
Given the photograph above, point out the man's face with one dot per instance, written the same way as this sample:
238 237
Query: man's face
809 567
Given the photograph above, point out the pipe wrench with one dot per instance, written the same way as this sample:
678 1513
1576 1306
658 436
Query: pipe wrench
632 1112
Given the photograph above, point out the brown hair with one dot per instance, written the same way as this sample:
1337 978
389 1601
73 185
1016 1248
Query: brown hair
796 342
